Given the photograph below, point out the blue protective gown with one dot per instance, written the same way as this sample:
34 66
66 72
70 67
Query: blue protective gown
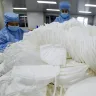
60 19
63 5
7 36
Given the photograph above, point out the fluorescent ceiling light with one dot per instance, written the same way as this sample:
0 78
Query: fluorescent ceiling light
23 16
90 5
47 2
20 8
52 9
85 12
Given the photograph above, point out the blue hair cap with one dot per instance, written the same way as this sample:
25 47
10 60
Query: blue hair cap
64 5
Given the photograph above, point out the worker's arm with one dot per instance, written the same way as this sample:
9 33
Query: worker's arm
56 20
3 42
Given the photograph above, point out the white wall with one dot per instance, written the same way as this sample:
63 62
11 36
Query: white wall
35 18
1 15
7 6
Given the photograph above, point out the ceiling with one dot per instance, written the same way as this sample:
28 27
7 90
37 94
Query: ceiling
76 5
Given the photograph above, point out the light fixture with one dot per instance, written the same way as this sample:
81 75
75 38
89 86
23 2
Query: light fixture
20 8
23 16
52 9
47 2
90 5
85 12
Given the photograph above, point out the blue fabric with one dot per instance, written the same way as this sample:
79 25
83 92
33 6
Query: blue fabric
11 17
60 19
13 28
2 47
64 15
7 34
64 5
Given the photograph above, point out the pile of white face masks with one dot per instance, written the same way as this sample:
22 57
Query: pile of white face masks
71 71
83 88
20 54
71 37
53 55
27 80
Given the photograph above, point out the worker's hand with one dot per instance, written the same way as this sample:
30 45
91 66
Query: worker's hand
9 44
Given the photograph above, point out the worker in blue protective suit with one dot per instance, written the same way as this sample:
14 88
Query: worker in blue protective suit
11 33
64 12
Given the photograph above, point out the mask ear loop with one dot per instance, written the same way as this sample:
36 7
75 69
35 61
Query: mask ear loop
55 86
7 24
